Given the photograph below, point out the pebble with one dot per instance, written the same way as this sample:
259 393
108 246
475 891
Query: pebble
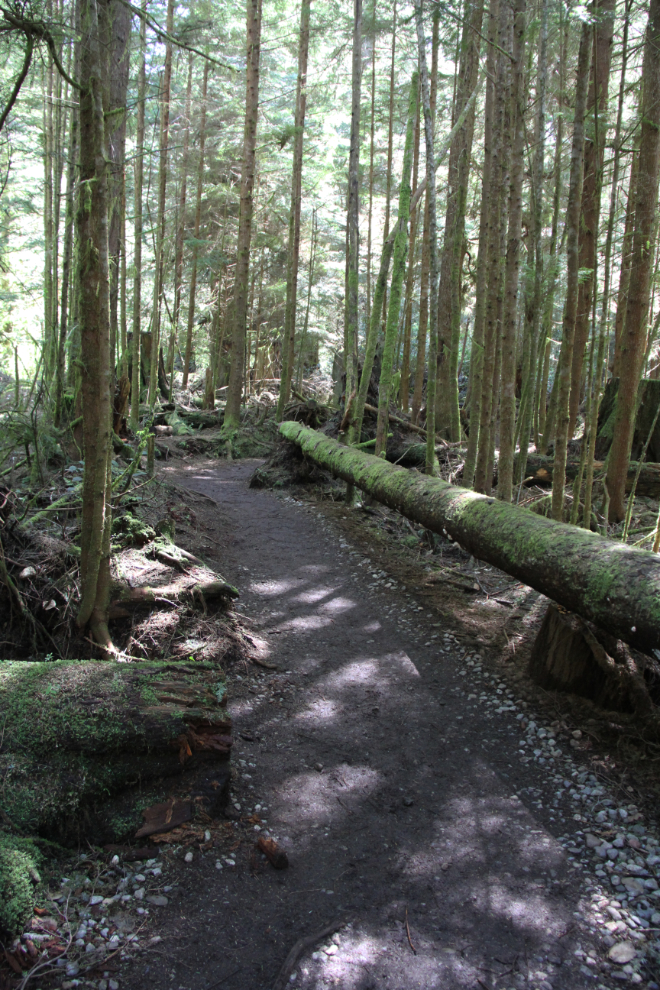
188 858
158 900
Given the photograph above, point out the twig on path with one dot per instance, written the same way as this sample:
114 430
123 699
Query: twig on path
224 979
299 948
408 934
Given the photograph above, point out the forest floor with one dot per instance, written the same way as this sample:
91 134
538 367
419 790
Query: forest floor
446 824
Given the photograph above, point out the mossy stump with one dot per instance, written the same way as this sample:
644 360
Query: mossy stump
88 744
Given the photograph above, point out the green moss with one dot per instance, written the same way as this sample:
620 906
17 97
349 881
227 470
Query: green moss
19 863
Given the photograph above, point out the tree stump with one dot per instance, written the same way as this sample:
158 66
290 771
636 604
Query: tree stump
570 654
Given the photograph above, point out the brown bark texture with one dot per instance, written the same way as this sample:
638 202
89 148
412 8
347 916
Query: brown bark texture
643 244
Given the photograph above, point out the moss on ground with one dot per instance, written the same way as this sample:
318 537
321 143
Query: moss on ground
20 860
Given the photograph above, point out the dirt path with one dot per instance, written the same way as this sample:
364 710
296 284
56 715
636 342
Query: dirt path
391 786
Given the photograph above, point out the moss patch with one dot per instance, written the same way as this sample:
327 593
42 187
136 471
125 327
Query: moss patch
19 876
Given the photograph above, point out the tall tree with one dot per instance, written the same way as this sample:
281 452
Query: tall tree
288 342
136 350
94 294
196 231
594 151
643 245
241 282
453 249
572 273
353 220
512 264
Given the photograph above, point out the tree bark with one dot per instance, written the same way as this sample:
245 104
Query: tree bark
429 113
510 315
477 352
398 271
594 151
572 273
643 243
289 337
614 586
198 222
449 301
241 283
137 227
93 282
181 229
160 219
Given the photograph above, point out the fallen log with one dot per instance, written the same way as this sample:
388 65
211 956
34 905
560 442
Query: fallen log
88 744
613 585
539 470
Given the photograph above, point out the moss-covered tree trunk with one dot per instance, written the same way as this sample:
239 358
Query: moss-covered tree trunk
398 272
613 585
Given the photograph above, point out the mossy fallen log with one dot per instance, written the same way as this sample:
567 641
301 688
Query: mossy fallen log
88 744
609 583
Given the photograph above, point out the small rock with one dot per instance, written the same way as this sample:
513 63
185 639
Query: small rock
139 894
158 900
188 858
408 802
622 953
318 766
72 969
577 734
95 899
113 985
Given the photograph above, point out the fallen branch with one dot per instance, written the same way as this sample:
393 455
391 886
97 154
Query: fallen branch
299 948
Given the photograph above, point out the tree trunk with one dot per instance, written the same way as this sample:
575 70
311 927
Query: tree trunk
160 219
137 227
198 222
594 151
477 354
181 229
289 337
619 592
429 114
572 272
398 271
449 301
510 315
115 24
353 232
93 286
423 324
241 283
643 243
404 392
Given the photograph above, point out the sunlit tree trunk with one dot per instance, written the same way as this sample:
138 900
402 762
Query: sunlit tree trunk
181 229
241 284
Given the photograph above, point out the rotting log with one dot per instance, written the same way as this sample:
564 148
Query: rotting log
611 584
539 470
88 744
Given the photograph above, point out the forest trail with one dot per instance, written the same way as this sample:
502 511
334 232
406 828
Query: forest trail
390 787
